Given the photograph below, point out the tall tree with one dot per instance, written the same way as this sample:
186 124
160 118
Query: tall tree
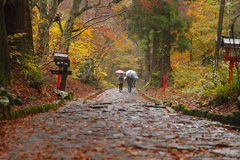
18 22
101 11
15 20
164 24
48 15
5 65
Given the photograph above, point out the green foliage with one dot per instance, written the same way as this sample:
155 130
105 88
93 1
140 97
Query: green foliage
36 78
224 92
208 82
204 80
192 78
70 96
227 93
26 63
106 84
85 72
155 78
142 22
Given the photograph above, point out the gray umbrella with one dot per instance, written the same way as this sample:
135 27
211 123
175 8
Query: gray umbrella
131 73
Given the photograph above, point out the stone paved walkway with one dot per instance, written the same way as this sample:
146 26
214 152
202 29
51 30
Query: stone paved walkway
117 126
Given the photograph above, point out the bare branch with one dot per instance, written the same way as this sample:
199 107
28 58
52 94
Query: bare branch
90 20
33 4
52 11
47 63
87 7
60 26
86 27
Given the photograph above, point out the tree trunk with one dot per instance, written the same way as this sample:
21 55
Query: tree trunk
154 58
5 64
165 65
147 62
17 18
67 32
191 52
63 79
47 12
206 58
43 31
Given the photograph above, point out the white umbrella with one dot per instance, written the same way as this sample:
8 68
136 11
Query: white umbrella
131 73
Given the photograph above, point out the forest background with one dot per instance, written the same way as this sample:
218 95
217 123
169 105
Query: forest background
156 38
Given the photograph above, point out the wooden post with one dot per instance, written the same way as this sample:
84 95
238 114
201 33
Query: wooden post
64 79
58 80
163 83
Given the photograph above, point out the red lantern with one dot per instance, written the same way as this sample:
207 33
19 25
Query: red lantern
231 48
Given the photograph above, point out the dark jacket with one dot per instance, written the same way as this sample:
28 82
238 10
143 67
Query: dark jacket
129 80
121 79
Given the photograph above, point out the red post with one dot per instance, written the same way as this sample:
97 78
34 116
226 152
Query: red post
231 65
163 83
59 76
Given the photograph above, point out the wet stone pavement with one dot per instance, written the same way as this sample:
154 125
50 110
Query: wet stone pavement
117 126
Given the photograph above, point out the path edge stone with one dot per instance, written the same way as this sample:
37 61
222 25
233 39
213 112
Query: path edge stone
232 120
23 112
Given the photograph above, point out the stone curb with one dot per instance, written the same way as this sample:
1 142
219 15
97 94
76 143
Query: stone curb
230 119
19 113
157 101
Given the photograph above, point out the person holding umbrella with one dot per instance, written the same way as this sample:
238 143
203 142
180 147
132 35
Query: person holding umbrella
129 82
131 75
120 81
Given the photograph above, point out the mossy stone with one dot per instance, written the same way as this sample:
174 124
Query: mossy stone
11 98
202 113
216 117
187 111
209 115
228 119
3 91
18 101
237 121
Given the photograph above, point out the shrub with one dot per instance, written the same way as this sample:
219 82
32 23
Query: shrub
224 93
1 116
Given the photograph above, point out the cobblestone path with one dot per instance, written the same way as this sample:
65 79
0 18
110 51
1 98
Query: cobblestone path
117 126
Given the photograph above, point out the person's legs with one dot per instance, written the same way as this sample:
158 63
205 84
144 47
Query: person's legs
129 88
120 87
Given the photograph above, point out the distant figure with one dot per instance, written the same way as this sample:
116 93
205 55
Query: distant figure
120 81
129 82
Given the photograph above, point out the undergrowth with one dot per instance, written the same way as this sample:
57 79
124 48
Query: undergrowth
207 82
